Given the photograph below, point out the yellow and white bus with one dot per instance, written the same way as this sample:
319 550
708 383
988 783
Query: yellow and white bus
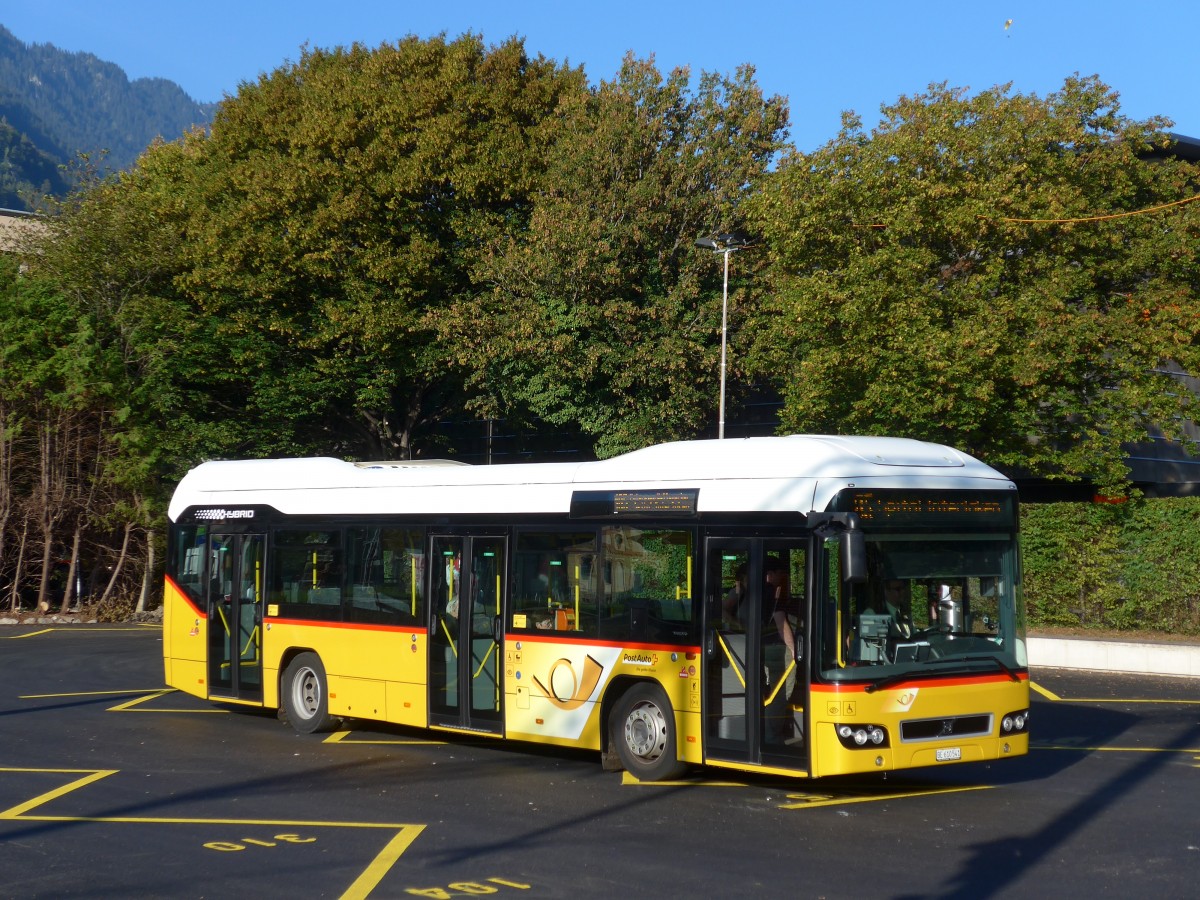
799 605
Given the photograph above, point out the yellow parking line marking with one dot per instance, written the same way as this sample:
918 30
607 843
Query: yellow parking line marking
91 775
382 864
129 705
340 737
628 779
406 833
86 694
811 801
806 801
1049 695
1119 700
144 696
79 629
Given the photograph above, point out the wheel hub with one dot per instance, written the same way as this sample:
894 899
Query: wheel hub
645 732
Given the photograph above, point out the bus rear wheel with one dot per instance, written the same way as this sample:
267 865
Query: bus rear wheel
306 694
643 729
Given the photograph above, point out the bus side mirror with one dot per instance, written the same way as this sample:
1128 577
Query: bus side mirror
852 543
854 554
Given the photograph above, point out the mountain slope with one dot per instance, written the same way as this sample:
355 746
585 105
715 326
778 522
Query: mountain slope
55 104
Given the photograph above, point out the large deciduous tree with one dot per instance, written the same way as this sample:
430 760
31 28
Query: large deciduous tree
332 216
602 314
998 272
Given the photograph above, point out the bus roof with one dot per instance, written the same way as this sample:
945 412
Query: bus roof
787 473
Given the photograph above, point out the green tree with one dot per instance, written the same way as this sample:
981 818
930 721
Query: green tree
331 218
49 434
602 312
972 271
129 371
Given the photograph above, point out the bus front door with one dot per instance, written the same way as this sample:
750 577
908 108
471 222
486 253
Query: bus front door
465 656
755 680
235 597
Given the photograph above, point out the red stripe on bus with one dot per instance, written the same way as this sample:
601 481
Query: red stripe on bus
183 595
929 681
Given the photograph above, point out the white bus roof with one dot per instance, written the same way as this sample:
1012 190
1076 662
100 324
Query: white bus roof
769 474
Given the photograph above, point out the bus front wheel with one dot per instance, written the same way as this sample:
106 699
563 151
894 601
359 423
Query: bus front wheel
306 694
643 728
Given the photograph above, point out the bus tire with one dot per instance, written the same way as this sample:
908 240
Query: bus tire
643 729
306 694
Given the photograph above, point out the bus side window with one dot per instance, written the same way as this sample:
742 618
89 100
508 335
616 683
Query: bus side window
554 582
307 573
385 569
649 584
188 564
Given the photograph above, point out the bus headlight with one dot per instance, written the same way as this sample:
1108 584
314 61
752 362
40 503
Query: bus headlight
1015 722
854 737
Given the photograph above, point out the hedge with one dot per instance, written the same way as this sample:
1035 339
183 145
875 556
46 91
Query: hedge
1121 566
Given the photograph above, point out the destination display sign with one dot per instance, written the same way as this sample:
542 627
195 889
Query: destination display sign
932 508
627 504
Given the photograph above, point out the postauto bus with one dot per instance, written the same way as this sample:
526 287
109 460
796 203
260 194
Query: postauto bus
798 605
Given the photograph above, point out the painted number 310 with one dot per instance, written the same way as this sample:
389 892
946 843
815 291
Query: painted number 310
230 846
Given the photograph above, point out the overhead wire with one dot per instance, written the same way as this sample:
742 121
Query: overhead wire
1120 215
1073 221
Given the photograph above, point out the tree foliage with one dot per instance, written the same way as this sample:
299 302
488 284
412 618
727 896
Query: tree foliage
332 216
1132 565
967 272
601 313
61 472
369 241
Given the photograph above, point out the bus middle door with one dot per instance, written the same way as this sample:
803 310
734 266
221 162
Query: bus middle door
465 656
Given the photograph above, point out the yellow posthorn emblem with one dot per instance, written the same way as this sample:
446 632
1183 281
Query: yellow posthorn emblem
581 688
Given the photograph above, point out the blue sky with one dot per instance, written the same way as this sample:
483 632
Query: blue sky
825 57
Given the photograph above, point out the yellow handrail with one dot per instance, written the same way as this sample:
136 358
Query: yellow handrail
483 662
782 681
449 636
733 660
253 639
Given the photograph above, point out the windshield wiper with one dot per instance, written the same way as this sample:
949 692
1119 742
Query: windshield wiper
889 680
997 660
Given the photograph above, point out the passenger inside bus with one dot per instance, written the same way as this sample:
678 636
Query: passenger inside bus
896 603
887 616
776 602
779 651
731 605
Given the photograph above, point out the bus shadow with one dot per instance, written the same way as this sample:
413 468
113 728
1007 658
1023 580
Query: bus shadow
992 867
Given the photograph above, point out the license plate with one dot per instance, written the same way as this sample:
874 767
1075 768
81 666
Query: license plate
948 755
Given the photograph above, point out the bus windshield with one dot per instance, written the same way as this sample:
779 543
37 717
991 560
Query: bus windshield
934 603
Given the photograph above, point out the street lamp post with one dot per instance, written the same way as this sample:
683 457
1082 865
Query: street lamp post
724 244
